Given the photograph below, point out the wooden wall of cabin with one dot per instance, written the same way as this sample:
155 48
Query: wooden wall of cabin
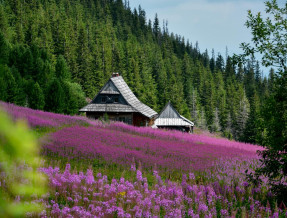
188 129
135 119
140 120
151 122
123 117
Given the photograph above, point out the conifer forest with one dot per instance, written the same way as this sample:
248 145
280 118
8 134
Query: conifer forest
54 53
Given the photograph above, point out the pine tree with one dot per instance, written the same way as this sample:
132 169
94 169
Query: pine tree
156 28
240 72
242 116
228 130
55 97
4 50
249 80
195 107
11 87
212 62
202 120
251 128
219 64
257 73
36 99
215 126
229 68
3 89
62 72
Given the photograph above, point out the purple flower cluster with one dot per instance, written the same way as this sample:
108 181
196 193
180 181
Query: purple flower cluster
79 194
121 147
190 138
37 118
82 195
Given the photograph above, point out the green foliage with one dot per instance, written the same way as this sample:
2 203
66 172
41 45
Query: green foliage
268 35
4 50
62 71
269 39
55 97
36 98
10 90
105 118
74 97
18 153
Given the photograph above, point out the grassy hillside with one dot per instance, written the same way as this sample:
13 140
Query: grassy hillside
116 170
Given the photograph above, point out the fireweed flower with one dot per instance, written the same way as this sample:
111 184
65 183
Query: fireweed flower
223 212
245 184
90 177
191 176
133 167
101 198
80 194
139 176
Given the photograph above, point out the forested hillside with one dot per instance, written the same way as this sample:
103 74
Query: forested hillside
54 53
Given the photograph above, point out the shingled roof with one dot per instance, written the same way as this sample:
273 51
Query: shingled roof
170 117
117 85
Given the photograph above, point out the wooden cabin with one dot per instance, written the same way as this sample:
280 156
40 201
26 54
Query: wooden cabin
169 118
120 104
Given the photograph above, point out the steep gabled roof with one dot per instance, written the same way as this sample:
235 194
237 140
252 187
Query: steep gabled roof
117 85
169 112
170 117
131 99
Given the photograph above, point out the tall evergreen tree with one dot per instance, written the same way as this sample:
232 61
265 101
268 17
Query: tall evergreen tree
55 97
61 69
36 98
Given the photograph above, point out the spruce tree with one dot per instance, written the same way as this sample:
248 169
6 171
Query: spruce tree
36 99
11 87
55 97
61 69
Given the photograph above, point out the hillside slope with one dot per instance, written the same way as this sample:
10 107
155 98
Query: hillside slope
117 170
74 138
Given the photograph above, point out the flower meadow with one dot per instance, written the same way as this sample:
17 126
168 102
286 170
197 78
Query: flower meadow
85 195
122 148
100 169
37 118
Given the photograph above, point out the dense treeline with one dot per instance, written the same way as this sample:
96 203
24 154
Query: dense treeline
53 53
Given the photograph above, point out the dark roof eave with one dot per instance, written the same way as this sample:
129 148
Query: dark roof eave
150 117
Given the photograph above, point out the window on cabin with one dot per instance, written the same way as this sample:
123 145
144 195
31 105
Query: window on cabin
104 99
116 100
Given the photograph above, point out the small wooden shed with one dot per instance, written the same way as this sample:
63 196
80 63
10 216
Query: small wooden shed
169 118
120 104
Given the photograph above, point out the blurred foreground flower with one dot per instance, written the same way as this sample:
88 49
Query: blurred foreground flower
21 183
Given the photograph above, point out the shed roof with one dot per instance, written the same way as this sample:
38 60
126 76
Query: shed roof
117 85
170 117
169 112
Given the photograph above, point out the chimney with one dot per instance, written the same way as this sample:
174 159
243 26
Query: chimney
115 75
